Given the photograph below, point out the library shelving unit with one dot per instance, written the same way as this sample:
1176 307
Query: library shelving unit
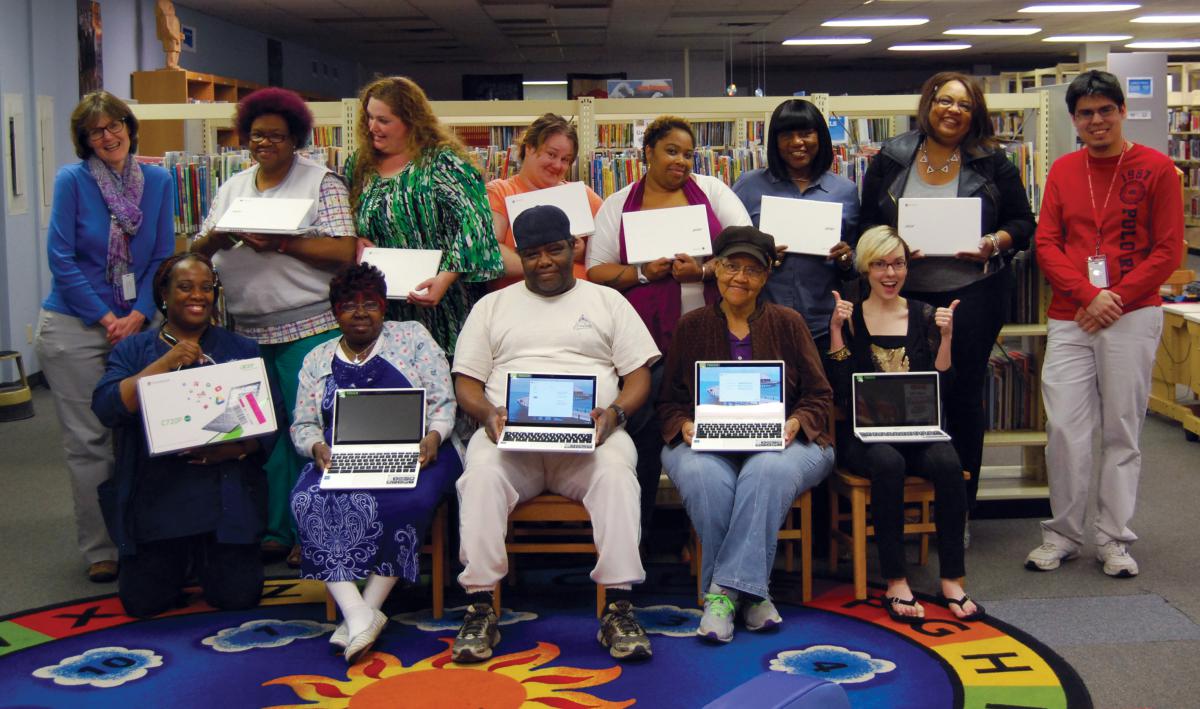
749 117
186 87
1183 143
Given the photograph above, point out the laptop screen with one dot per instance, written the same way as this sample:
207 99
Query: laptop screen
551 399
739 383
379 416
896 400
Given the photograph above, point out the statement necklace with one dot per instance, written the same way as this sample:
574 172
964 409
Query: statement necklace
929 169
360 356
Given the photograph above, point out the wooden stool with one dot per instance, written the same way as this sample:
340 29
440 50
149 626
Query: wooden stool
527 521
789 534
436 549
857 489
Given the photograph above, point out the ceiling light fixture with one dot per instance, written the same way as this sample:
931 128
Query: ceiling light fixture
994 31
928 47
1081 7
553 82
1164 44
1088 38
817 41
1168 19
876 22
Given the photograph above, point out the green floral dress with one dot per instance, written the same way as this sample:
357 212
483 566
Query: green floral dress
436 203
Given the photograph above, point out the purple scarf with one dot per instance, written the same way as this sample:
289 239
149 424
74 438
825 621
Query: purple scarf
659 303
123 196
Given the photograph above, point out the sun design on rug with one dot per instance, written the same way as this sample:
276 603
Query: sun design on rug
508 681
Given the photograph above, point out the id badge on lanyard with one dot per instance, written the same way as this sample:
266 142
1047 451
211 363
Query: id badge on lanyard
1097 270
1097 265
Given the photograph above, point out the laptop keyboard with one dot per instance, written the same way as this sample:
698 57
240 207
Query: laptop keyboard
540 437
899 434
739 430
373 462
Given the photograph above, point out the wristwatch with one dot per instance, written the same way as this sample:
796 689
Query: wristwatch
619 412
641 276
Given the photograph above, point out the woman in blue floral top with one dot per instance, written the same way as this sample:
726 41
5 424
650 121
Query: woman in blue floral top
347 535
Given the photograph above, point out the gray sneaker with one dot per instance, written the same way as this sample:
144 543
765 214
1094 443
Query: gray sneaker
1116 559
1048 557
761 615
622 634
479 633
716 624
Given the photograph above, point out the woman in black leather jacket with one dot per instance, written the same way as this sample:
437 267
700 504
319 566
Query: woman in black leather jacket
953 153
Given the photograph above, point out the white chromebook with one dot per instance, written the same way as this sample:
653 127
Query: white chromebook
898 407
551 413
739 406
376 439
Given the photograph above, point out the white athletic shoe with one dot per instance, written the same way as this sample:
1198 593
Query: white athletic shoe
1117 561
1048 557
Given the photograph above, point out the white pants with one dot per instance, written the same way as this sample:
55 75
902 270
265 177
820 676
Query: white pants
1098 382
73 357
495 481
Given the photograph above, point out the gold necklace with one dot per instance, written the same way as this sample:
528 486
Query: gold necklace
929 166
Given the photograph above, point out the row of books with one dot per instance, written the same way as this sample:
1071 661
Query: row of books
326 136
712 133
1191 176
196 179
614 135
1191 205
610 172
756 132
1023 157
485 136
1008 124
1183 148
728 165
495 162
863 132
1183 120
1009 397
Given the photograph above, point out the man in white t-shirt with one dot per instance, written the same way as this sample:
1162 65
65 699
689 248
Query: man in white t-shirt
551 323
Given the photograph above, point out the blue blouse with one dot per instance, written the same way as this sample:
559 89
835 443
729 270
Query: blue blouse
78 243
150 499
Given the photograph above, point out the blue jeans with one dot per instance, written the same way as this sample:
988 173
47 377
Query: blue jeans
737 503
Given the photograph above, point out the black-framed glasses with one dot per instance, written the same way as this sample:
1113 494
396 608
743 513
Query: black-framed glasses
272 138
350 307
899 265
750 270
947 102
114 128
1087 114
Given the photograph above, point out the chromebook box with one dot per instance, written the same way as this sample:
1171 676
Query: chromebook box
203 406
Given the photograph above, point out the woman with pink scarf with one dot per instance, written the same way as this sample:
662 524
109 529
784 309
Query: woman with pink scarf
662 290
111 225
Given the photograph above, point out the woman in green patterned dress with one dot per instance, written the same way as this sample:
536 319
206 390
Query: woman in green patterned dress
413 186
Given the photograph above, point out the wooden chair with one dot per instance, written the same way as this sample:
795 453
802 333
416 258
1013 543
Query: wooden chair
528 520
436 549
857 489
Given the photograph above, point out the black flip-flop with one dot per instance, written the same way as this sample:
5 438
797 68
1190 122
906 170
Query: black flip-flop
979 613
889 603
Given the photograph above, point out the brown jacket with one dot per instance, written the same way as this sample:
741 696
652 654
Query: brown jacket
776 333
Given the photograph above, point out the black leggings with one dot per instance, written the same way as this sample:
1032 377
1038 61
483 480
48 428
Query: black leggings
886 465
150 581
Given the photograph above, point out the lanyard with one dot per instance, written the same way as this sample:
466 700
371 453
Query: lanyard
1097 216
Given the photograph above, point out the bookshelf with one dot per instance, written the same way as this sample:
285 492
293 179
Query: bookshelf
1183 141
606 127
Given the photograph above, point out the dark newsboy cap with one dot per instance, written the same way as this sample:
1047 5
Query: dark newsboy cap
746 240
539 225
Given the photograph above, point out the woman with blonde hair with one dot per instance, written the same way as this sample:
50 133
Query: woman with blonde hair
413 186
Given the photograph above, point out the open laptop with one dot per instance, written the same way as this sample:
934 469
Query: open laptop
898 407
739 406
376 439
267 215
551 413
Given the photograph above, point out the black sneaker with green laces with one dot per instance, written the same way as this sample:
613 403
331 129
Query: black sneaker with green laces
622 634
479 633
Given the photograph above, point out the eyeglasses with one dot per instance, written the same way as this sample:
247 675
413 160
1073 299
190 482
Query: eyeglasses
272 138
899 265
349 307
750 271
946 102
115 128
1087 114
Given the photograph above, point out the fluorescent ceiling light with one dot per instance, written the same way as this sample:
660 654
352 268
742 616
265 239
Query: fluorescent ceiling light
928 47
1081 7
1088 38
1168 19
545 83
803 41
1164 44
994 31
876 22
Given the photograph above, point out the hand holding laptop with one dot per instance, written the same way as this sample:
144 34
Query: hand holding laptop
603 425
321 454
494 425
429 448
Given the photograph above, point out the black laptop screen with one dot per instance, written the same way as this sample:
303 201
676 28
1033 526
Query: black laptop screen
365 416
896 401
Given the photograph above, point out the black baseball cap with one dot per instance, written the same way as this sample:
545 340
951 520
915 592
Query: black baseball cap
539 225
746 240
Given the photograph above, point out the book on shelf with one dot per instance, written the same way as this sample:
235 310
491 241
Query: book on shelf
196 179
1023 157
326 136
1009 392
497 162
1180 147
1183 120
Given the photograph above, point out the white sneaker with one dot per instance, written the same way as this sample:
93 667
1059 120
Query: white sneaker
1048 557
760 616
716 625
1117 561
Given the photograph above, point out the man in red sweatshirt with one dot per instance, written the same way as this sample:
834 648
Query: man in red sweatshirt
1109 234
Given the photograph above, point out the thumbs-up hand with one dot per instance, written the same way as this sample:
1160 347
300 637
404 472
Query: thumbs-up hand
842 310
944 319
